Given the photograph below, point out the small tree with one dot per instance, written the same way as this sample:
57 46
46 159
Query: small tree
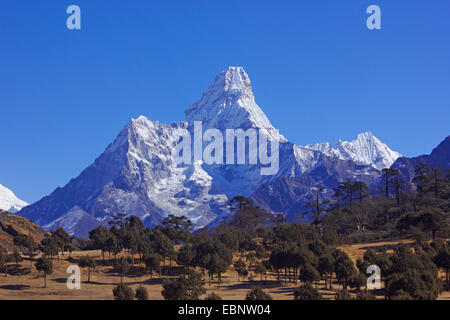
217 265
141 293
87 262
153 262
71 248
309 274
49 246
45 266
241 269
27 246
16 257
122 267
326 267
344 269
123 292
260 269
99 237
4 259
185 256
258 294
250 257
30 253
62 238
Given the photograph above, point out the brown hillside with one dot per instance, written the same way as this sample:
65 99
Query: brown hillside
11 225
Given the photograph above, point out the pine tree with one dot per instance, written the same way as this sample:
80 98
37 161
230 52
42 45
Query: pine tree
122 267
87 262
45 266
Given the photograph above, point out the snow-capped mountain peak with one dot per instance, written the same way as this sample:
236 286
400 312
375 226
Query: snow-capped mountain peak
365 149
229 103
235 81
9 201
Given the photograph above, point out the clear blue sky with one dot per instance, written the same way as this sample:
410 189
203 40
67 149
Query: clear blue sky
317 72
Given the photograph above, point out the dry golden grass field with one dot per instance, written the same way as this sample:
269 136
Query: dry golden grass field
29 286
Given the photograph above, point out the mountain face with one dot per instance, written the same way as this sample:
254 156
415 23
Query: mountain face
139 173
439 157
9 202
365 149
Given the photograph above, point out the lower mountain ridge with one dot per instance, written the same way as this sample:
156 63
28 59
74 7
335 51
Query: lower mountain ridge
439 158
12 225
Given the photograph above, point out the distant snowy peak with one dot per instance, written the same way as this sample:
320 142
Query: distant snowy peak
368 149
229 103
9 201
365 149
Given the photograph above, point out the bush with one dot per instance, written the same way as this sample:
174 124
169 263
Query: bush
141 293
213 296
365 295
401 295
123 292
183 288
307 292
343 295
258 294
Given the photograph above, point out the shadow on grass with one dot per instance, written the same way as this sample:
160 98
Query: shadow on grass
59 280
15 287
288 291
18 271
126 280
153 281
133 273
250 284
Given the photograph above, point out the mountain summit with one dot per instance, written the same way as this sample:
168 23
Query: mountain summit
229 103
138 175
365 149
